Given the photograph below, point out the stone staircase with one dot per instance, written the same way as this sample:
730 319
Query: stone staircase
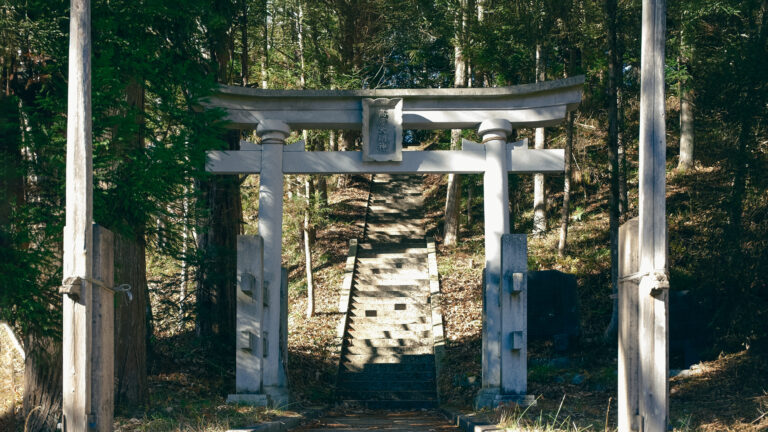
387 357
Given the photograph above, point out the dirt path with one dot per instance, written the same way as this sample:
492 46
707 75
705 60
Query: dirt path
394 421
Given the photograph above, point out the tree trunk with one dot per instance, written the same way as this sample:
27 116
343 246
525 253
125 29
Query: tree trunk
614 71
453 196
42 383
740 161
565 211
11 174
265 53
132 389
217 276
539 192
347 143
686 128
308 240
623 189
216 279
130 268
184 259
244 73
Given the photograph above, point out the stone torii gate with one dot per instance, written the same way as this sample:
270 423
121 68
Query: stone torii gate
383 115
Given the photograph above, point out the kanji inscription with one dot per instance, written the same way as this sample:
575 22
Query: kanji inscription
382 130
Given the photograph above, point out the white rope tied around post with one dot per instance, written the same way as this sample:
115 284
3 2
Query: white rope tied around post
126 289
656 280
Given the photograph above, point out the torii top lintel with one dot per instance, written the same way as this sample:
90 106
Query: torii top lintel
528 105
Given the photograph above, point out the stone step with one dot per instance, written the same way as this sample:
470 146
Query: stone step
391 247
388 351
362 302
381 367
379 311
389 342
374 395
412 215
401 241
392 405
391 208
375 299
396 265
408 230
394 252
390 228
368 331
386 276
382 282
406 271
364 332
390 238
393 291
387 375
364 359
405 323
389 259
370 310
385 385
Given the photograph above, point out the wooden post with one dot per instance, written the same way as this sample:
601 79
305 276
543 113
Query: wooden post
496 203
514 319
654 285
78 232
629 379
250 314
103 318
273 134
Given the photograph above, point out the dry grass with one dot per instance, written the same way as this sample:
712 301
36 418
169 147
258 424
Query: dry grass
11 382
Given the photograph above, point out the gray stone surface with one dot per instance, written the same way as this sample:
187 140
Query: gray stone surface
382 130
529 105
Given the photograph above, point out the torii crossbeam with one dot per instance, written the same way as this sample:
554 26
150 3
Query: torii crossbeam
495 111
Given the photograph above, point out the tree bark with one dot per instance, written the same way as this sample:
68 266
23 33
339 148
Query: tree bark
216 279
308 240
565 211
614 71
623 188
453 195
11 174
184 259
217 276
244 73
686 128
42 383
539 192
265 53
130 268
132 389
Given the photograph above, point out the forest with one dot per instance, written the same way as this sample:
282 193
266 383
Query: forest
154 63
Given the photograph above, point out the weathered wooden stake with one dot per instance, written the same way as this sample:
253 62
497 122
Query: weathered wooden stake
103 318
78 232
629 359
654 283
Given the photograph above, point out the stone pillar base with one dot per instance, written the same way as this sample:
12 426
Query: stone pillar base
256 399
492 398
278 396
275 397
